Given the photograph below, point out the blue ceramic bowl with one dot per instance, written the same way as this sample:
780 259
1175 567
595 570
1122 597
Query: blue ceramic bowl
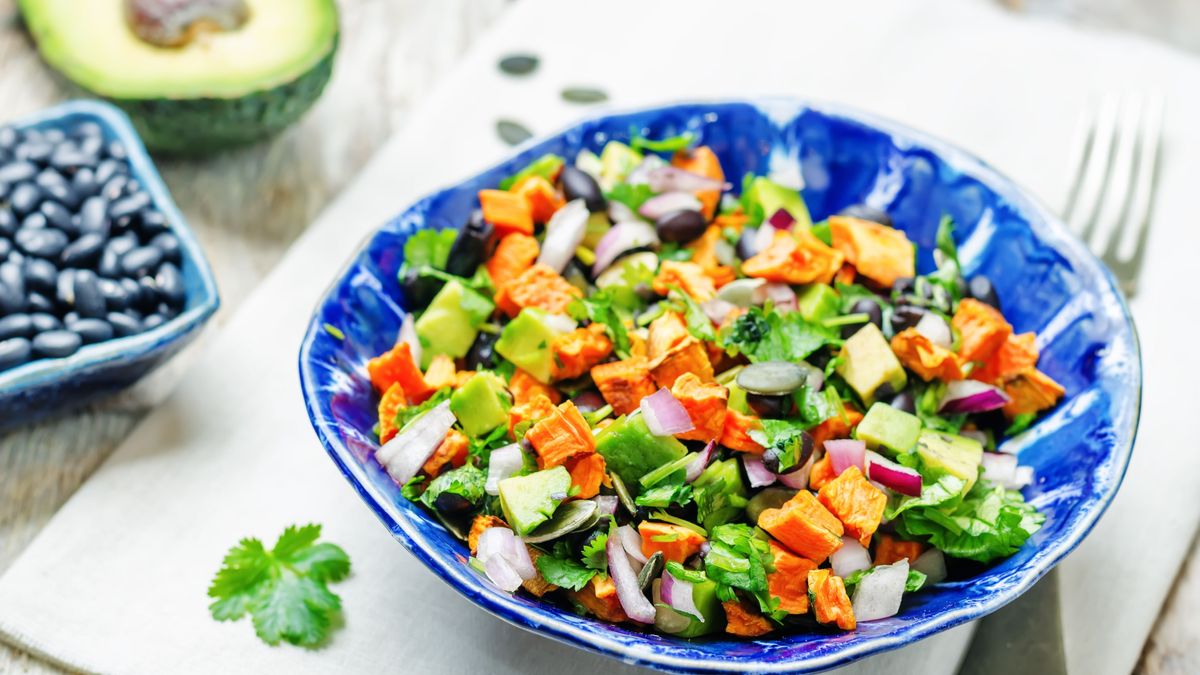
45 385
1047 282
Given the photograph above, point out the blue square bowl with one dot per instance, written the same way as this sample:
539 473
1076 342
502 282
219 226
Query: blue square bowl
1046 279
43 386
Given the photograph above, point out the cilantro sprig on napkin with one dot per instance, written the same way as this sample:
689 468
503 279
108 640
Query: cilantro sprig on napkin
284 589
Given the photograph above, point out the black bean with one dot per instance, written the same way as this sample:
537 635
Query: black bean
116 150
56 344
91 330
578 184
128 206
123 244
170 284
168 312
145 259
34 221
904 286
14 352
16 172
169 245
8 138
8 222
12 274
57 215
904 401
89 300
765 405
67 158
54 185
905 316
44 242
70 316
84 251
83 183
24 198
110 263
981 288
44 321
680 226
87 130
93 215
123 324
153 223
114 187
5 247
106 170
16 325
483 352
153 321
91 146
133 290
36 302
40 275
864 306
52 136
116 298
149 296
64 287
471 247
11 299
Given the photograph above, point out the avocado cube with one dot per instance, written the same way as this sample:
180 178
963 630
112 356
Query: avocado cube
631 451
720 493
481 404
950 453
529 501
616 161
772 196
526 342
817 302
451 322
712 613
885 427
868 363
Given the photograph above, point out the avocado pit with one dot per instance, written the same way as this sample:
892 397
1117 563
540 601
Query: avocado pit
176 23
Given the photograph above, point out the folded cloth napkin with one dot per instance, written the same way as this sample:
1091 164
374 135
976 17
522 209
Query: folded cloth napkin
116 582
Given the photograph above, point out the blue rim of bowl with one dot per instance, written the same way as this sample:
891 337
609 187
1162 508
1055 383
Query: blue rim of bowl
40 372
463 580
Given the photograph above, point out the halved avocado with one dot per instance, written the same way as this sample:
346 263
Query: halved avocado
219 86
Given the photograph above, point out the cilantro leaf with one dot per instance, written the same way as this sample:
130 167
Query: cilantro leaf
408 414
1020 423
595 556
775 337
563 571
283 590
429 248
740 557
914 582
466 482
671 491
698 323
631 195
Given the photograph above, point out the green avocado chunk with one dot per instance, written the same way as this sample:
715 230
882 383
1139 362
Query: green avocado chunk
712 614
529 501
214 88
868 363
720 493
526 342
817 302
451 322
481 404
888 428
767 197
631 451
950 453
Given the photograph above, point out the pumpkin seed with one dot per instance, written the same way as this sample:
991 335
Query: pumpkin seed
513 133
568 518
518 64
651 570
584 95
772 377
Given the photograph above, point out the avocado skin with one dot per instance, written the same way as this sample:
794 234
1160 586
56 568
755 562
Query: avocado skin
198 126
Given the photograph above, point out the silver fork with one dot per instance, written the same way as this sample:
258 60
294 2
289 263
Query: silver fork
1115 167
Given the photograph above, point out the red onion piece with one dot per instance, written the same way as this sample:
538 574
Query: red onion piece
763 238
408 335
659 206
844 454
701 462
936 329
782 296
851 557
1002 469
503 542
971 396
891 475
674 179
679 595
619 239
717 309
631 541
782 219
501 573
640 175
619 212
759 475
878 594
564 234
503 463
665 415
403 455
606 505
635 604
932 564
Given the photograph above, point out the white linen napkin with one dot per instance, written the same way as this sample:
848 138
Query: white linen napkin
116 582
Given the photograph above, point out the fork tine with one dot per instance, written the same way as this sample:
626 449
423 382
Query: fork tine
1095 171
1117 189
1150 140
1081 145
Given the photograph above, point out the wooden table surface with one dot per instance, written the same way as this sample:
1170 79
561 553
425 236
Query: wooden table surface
248 205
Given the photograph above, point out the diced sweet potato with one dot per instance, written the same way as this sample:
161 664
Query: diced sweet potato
508 212
744 619
838 426
855 502
789 581
1032 391
560 436
1018 354
575 353
397 365
537 408
537 586
666 333
924 358
479 525
846 275
690 356
890 549
704 254
880 253
734 219
440 372
804 526
540 287
599 597
735 433
701 160
587 474
798 258
982 328
822 472
451 452
677 543
541 196
830 602
514 254
624 384
688 276
706 404
393 401
524 387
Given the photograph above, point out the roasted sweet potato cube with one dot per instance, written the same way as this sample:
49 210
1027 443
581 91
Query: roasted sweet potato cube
804 526
1032 391
451 452
982 328
560 436
744 619
599 597
525 387
789 581
830 602
624 384
575 353
798 258
687 357
880 253
392 402
735 433
855 502
688 276
889 549
706 404
924 358
540 287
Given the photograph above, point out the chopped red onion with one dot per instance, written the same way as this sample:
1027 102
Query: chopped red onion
665 415
698 465
725 252
679 595
759 475
503 542
902 479
619 239
606 505
503 463
717 309
975 434
936 329
502 574
846 453
782 219
408 335
850 558
1002 469
798 479
635 604
673 179
782 296
632 543
408 450
932 564
619 212
763 238
878 594
658 206
971 396
564 234
559 323
640 175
